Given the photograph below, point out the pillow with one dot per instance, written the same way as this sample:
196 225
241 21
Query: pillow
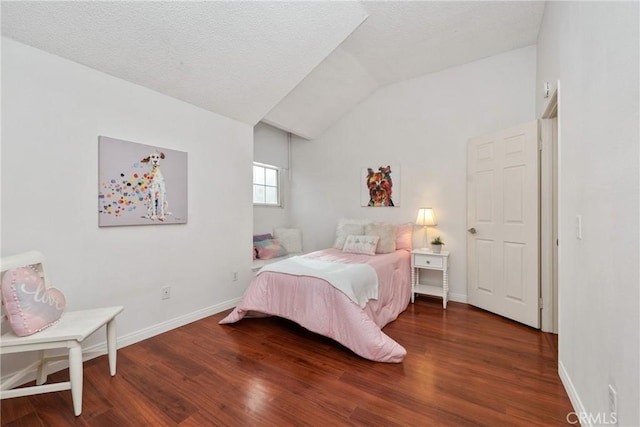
387 233
348 227
290 238
268 249
361 244
255 252
404 236
29 306
261 237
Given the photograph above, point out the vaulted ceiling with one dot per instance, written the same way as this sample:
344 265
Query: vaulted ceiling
299 66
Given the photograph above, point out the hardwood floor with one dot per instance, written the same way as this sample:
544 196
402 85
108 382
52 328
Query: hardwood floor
464 367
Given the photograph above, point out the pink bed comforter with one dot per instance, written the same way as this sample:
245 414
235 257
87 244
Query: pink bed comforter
319 307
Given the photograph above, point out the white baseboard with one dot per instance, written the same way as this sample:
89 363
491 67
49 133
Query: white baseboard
166 326
578 407
458 297
100 349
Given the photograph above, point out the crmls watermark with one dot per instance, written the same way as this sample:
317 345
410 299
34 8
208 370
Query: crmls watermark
587 418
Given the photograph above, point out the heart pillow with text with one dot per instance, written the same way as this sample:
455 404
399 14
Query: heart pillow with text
29 306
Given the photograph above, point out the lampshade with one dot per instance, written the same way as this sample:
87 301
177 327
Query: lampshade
426 217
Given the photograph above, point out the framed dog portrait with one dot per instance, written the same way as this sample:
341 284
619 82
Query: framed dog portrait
380 186
140 184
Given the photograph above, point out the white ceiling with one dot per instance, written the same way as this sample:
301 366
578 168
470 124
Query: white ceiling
297 65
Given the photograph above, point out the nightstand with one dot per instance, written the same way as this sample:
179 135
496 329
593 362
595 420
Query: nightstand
429 261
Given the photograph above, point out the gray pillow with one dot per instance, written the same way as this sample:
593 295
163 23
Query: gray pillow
387 234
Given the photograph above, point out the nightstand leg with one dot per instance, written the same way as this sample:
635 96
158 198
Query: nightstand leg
413 285
445 288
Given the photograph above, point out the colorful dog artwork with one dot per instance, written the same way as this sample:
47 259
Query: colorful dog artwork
379 187
135 180
156 191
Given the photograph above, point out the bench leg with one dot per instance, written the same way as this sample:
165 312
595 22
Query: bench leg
42 369
111 345
75 376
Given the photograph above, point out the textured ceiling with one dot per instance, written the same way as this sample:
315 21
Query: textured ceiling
238 59
297 65
399 41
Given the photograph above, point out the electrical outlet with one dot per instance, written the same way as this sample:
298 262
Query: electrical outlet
613 400
166 292
234 276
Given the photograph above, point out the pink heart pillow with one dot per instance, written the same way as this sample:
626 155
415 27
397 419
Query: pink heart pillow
29 306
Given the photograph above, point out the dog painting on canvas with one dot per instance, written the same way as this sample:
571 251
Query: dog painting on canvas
380 186
156 196
137 181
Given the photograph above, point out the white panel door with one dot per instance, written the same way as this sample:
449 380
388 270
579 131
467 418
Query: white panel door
502 223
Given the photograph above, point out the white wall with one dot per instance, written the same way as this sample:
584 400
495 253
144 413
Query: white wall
592 48
423 126
53 111
271 146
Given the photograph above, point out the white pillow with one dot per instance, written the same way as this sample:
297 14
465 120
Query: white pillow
387 234
290 238
348 227
361 244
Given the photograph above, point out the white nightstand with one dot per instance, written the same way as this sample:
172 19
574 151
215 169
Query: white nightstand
430 261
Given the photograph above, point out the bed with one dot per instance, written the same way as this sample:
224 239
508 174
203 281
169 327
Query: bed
318 306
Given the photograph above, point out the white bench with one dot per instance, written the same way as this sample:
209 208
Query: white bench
68 333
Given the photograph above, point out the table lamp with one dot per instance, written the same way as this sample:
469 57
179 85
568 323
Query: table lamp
426 218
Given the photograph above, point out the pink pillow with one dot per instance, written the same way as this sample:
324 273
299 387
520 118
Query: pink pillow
29 306
404 236
268 249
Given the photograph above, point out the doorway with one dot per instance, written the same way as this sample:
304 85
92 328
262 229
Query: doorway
549 213
496 297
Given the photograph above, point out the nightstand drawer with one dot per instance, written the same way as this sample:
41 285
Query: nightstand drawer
433 261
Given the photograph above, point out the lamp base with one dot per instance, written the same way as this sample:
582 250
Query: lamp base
426 238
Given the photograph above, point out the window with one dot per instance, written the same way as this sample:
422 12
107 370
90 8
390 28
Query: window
266 185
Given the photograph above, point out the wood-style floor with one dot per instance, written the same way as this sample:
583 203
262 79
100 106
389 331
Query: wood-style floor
464 367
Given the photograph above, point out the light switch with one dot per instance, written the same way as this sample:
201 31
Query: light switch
579 227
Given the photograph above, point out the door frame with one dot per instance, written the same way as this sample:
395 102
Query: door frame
549 212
